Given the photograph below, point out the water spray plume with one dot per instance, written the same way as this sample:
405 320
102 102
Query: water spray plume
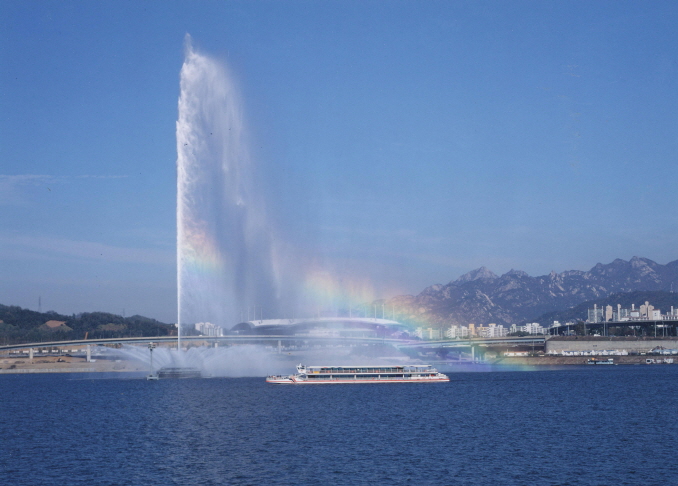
224 247
228 259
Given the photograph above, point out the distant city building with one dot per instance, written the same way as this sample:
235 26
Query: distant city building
428 333
595 314
608 313
645 312
530 328
533 328
462 332
457 332
209 329
492 330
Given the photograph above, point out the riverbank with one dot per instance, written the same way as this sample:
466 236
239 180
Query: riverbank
574 360
67 364
595 345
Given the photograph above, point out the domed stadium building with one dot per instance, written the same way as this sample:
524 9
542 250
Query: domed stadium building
323 327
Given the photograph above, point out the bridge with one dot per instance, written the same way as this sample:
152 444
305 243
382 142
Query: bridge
536 340
230 339
286 341
291 340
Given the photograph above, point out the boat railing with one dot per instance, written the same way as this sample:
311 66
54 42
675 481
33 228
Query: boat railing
373 371
358 376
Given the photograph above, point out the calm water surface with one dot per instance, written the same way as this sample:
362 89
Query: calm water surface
577 426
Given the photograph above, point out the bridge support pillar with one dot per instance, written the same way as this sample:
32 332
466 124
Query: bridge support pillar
279 346
473 354
30 354
89 353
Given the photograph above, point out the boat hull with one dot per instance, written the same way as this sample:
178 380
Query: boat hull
350 382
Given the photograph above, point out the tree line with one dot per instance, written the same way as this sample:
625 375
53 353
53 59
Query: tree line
18 325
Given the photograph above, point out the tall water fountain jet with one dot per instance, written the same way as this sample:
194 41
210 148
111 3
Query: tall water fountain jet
225 260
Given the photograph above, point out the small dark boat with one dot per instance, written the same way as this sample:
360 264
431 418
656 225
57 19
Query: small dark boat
596 361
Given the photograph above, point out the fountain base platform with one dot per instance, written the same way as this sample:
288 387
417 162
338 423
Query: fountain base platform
174 373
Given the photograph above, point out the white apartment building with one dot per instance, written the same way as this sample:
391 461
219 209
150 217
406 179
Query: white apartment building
492 330
530 328
454 332
428 333
209 329
497 331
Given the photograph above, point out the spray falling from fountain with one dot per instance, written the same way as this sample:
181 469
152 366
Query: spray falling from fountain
225 260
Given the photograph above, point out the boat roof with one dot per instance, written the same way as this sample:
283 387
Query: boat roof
371 366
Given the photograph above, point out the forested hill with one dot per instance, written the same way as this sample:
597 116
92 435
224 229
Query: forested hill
19 325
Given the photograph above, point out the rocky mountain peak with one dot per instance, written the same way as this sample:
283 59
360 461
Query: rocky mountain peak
476 274
637 262
635 268
432 289
515 273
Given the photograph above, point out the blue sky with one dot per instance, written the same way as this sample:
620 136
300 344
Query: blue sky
400 143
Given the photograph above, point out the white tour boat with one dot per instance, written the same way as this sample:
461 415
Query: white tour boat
316 375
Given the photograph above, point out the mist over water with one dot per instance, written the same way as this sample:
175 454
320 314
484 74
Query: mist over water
225 253
230 361
252 360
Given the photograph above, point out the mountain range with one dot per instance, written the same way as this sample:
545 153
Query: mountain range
481 297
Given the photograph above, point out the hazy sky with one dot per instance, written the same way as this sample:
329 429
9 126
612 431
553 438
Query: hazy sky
399 143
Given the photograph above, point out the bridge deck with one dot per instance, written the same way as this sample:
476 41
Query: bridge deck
263 339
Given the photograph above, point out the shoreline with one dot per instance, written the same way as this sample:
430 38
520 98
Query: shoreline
80 365
69 365
575 360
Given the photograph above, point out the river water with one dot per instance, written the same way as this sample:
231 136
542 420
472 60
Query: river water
575 426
